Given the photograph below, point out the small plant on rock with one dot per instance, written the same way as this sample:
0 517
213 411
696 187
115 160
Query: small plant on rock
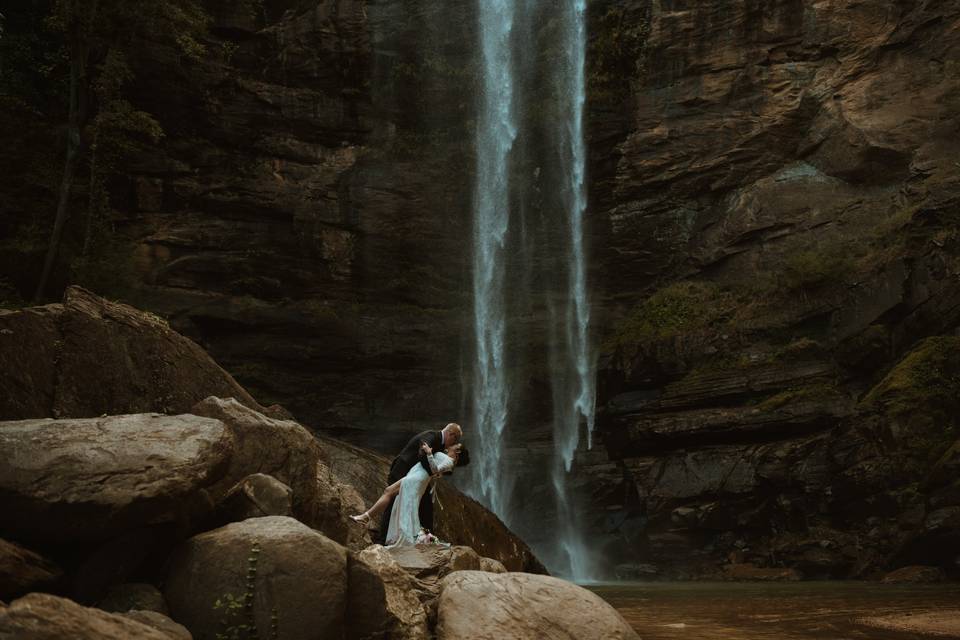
238 621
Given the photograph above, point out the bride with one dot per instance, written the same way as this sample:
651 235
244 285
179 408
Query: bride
405 518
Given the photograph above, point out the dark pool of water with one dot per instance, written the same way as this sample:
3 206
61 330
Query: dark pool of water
782 611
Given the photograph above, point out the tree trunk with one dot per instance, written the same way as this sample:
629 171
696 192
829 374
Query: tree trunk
79 88
95 193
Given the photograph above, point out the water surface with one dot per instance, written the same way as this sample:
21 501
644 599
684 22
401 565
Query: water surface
781 611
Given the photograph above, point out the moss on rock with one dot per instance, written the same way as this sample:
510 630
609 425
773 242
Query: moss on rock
921 396
819 391
672 310
927 377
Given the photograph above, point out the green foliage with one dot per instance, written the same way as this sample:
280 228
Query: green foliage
617 52
32 59
89 46
116 132
238 621
109 24
678 307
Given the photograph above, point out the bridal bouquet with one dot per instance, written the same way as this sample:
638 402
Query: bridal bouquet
425 537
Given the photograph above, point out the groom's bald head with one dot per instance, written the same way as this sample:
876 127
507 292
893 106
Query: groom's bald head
452 433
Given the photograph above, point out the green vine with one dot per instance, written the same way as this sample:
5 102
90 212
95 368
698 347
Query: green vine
238 621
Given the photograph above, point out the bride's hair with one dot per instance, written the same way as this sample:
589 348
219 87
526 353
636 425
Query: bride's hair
463 458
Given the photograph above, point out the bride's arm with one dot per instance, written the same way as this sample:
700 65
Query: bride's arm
432 461
444 465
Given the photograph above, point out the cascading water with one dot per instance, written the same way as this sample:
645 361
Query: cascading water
530 114
496 132
576 402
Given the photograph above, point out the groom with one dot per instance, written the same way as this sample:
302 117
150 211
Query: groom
407 458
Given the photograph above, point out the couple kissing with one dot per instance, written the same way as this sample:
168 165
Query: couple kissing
406 506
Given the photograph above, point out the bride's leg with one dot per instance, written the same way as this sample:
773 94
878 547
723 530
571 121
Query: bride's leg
380 504
384 500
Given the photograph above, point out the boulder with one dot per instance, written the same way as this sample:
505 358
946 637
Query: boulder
88 357
256 496
22 570
289 453
134 596
159 622
431 563
914 574
384 600
476 605
78 479
492 566
463 521
41 616
294 577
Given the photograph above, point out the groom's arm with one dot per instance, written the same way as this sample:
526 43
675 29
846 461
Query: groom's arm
435 440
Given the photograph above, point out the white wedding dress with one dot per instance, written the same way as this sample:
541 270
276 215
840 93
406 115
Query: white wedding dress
405 517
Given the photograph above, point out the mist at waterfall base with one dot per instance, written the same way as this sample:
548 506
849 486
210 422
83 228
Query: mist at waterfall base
531 311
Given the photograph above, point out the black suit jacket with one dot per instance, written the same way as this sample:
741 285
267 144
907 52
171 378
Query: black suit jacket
410 454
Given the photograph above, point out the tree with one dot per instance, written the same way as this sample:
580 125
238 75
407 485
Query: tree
99 37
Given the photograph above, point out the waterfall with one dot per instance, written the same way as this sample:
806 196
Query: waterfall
496 132
516 136
577 399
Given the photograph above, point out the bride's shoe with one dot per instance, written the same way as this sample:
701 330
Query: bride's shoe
363 517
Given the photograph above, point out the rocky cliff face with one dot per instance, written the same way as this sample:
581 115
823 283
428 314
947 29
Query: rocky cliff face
776 207
302 222
773 213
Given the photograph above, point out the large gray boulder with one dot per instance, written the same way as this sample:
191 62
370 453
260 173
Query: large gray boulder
69 480
41 616
295 578
478 605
